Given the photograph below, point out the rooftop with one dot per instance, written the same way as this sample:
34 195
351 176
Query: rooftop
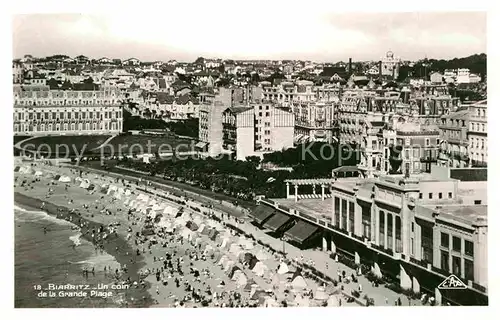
315 207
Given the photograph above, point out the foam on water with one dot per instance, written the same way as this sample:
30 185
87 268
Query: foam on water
25 215
76 239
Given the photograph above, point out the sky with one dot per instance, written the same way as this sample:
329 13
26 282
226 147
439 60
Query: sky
251 33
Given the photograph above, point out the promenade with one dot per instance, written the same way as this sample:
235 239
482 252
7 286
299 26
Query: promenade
320 260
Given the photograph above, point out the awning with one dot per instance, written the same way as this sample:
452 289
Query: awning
200 145
277 221
262 213
301 231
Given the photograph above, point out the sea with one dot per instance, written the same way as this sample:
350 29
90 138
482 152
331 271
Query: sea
55 257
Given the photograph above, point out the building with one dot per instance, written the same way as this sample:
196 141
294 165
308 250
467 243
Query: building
415 230
314 121
210 124
477 134
436 78
390 65
256 129
43 112
454 136
463 76
17 72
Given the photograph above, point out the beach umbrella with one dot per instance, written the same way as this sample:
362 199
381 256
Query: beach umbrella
17 168
192 226
299 283
260 269
65 179
283 268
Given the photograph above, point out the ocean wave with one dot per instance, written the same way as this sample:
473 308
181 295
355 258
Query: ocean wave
76 239
26 215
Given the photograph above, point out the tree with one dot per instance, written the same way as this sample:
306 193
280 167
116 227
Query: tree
199 60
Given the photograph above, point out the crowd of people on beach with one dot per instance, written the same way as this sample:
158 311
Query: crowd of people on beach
180 267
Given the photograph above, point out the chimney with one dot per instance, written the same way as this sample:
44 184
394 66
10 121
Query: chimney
349 67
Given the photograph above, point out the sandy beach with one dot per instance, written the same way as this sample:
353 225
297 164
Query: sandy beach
182 266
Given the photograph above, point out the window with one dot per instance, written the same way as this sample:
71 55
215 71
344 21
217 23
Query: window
482 127
420 195
457 244
412 246
445 261
427 142
413 227
456 266
445 240
440 195
450 195
473 126
477 201
407 154
416 153
469 269
469 248
366 217
344 214
260 114
430 195
267 114
399 243
381 228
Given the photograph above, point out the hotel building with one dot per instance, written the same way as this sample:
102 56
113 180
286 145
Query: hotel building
314 121
44 112
256 129
415 229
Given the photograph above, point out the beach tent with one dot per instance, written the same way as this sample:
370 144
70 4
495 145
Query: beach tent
38 173
206 230
186 233
261 255
235 249
17 168
240 278
232 270
85 184
208 249
225 242
250 284
222 260
259 296
192 226
65 179
201 227
213 234
271 303
320 294
333 301
299 283
260 269
283 268
228 265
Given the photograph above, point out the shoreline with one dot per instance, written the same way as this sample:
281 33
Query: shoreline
141 296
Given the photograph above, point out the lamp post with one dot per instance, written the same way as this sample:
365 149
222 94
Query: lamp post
283 239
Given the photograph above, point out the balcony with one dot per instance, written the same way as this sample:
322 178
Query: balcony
428 159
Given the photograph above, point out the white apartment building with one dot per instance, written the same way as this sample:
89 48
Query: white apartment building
478 133
67 112
257 129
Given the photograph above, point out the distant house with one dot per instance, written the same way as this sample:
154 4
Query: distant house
81 59
436 78
132 62
104 60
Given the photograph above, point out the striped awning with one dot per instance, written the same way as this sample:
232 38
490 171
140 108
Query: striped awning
301 231
277 221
